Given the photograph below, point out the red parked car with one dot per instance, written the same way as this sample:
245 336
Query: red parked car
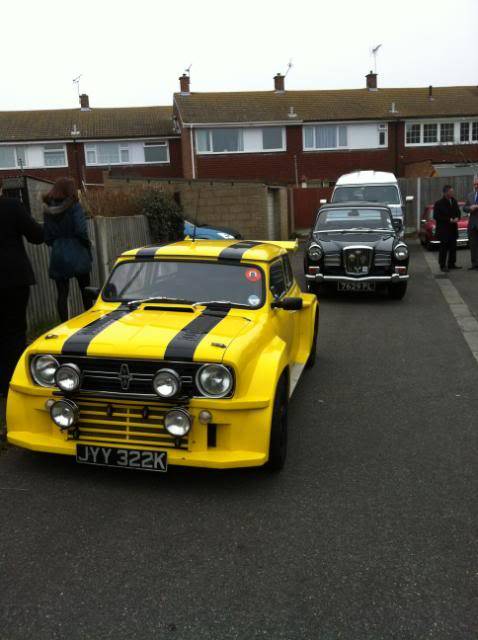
428 228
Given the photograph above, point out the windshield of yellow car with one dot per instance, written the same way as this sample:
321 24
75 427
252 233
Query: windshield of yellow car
337 219
186 281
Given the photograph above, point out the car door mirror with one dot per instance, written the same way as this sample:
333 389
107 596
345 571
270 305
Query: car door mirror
397 225
92 292
289 304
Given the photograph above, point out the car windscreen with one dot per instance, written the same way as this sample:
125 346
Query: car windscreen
386 194
330 219
187 281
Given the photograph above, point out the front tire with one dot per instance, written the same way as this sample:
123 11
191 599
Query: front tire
278 440
397 291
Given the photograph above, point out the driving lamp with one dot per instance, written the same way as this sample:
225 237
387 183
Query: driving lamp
401 252
315 252
166 383
43 369
214 380
68 377
64 413
177 422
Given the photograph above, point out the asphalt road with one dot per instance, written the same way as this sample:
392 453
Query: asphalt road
369 532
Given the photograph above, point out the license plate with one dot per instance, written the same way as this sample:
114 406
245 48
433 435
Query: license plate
356 286
126 458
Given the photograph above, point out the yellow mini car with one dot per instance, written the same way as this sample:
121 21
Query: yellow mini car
188 357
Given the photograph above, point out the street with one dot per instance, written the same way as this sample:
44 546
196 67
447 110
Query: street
368 533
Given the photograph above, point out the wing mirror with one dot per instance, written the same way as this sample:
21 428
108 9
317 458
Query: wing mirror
92 293
323 201
397 224
289 304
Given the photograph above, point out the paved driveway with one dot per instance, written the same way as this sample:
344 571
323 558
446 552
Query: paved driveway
369 533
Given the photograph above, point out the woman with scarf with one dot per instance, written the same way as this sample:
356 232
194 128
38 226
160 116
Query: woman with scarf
67 235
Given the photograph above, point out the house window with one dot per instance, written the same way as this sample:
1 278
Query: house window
272 138
325 136
227 140
7 157
430 133
413 134
54 155
474 132
447 131
464 131
382 135
156 152
106 153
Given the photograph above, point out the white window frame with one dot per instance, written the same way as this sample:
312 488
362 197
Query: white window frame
17 164
156 143
61 146
381 127
438 122
210 152
313 125
92 148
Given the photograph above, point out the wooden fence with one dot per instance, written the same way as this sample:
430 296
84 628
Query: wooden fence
109 237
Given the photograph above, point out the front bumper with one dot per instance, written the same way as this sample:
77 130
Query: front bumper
461 242
242 430
321 277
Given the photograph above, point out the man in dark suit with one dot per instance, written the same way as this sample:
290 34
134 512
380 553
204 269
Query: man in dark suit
446 212
471 207
16 276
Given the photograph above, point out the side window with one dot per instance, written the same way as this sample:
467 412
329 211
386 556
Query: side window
277 279
289 276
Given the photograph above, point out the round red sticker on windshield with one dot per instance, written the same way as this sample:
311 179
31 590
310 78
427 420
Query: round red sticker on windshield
253 275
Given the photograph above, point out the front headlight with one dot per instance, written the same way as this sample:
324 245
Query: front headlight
166 383
64 413
43 369
68 377
177 422
214 380
401 252
225 236
315 252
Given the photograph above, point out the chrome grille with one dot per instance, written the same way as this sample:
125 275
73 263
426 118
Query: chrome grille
124 424
357 260
463 233
383 259
332 259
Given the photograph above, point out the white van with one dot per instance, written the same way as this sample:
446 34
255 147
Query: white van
371 186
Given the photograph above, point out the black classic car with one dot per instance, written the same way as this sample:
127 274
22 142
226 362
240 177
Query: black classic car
356 247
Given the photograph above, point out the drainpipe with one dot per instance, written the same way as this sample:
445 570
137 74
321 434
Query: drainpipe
191 143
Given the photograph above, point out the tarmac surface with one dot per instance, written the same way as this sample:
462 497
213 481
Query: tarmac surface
368 533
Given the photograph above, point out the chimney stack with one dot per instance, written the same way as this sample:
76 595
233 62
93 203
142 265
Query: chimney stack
430 93
371 81
279 83
84 102
184 84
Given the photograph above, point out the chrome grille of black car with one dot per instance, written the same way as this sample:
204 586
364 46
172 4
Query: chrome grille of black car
357 260
382 258
130 378
463 233
332 259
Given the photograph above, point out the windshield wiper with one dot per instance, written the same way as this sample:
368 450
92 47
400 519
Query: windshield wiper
218 303
136 303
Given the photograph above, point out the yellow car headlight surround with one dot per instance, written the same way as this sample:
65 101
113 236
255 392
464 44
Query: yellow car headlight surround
43 369
214 380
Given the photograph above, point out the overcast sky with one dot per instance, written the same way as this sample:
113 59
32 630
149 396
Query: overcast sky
131 53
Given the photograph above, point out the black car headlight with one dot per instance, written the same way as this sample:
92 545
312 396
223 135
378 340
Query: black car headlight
214 380
401 252
68 377
64 414
43 369
315 252
177 423
166 383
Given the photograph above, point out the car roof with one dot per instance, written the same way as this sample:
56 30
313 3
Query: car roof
366 178
251 250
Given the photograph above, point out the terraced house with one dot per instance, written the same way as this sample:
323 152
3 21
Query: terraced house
278 137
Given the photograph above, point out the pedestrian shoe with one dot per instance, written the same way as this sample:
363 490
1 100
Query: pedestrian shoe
454 266
444 269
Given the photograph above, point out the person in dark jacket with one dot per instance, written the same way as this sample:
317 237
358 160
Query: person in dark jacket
67 235
471 207
446 212
16 277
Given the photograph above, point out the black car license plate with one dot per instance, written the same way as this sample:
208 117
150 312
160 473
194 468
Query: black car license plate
356 286
126 458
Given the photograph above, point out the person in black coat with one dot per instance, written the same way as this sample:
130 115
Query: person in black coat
446 212
67 235
16 277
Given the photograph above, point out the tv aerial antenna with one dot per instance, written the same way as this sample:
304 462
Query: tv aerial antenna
77 82
187 71
374 52
289 67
